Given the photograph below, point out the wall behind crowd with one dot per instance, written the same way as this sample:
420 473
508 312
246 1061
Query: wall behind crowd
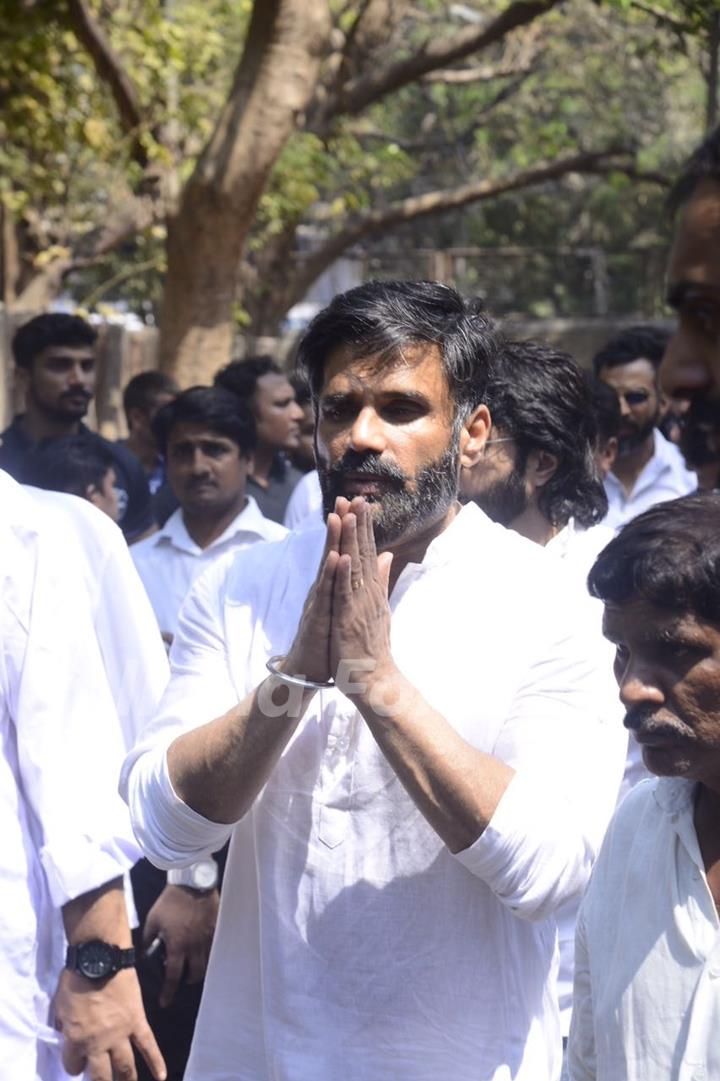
124 353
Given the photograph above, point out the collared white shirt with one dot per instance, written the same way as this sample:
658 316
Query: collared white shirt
63 829
351 943
305 506
577 549
169 561
663 477
647 976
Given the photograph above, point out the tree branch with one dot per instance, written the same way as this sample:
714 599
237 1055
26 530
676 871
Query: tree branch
481 74
434 202
110 70
662 16
430 56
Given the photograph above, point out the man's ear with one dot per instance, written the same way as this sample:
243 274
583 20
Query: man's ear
541 466
473 436
22 379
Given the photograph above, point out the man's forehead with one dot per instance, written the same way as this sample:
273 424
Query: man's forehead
187 431
401 367
73 351
640 370
643 618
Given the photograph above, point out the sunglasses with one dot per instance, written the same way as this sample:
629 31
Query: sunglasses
634 397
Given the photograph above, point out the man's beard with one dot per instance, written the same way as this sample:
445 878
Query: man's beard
406 506
628 443
504 500
700 432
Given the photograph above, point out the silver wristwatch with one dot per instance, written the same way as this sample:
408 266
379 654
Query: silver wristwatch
202 875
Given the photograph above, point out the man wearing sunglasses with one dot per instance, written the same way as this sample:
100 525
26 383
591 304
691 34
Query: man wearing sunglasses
648 468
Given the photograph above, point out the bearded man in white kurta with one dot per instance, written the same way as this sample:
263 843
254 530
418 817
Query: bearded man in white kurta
404 790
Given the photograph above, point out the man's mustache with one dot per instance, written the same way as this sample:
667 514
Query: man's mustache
78 393
374 464
644 720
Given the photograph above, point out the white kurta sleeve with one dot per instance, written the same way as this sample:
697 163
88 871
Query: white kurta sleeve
201 688
567 748
69 742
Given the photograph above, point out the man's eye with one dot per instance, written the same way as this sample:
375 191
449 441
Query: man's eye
335 411
705 318
406 411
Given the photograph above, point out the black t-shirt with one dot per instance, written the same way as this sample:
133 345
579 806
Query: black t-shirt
136 516
273 500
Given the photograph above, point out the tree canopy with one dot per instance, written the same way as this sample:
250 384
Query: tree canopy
207 161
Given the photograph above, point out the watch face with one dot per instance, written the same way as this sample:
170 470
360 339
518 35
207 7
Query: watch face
205 875
95 960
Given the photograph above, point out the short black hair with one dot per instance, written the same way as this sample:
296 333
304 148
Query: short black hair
539 396
214 407
703 164
69 463
53 328
641 342
669 556
381 317
605 406
142 391
241 376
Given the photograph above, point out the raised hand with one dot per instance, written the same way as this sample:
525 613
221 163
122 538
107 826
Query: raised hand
360 617
309 655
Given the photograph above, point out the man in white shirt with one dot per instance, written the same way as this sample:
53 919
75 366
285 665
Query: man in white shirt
66 838
646 1002
538 475
648 467
207 437
401 839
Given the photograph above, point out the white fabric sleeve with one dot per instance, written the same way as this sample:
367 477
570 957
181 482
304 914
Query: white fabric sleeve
200 689
568 748
69 742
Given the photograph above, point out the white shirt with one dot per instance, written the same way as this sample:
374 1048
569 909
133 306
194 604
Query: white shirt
351 943
663 477
169 561
305 506
578 549
647 979
63 829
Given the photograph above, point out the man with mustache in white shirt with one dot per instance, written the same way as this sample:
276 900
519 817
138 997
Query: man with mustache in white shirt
391 718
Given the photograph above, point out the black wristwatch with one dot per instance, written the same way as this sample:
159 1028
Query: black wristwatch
97 960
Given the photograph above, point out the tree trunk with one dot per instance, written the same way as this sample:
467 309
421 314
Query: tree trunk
713 74
286 42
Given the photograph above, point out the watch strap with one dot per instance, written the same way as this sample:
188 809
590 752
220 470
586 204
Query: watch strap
120 958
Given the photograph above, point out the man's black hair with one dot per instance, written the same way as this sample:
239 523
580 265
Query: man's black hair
669 557
539 396
703 164
381 318
215 408
605 406
53 328
646 342
69 463
241 376
301 387
143 390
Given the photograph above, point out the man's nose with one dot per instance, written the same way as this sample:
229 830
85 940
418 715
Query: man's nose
638 687
296 411
625 409
199 463
685 368
367 432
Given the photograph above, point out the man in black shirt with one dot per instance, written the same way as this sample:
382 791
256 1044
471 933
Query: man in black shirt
55 359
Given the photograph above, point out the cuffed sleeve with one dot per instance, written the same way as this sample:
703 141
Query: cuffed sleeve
171 833
532 854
